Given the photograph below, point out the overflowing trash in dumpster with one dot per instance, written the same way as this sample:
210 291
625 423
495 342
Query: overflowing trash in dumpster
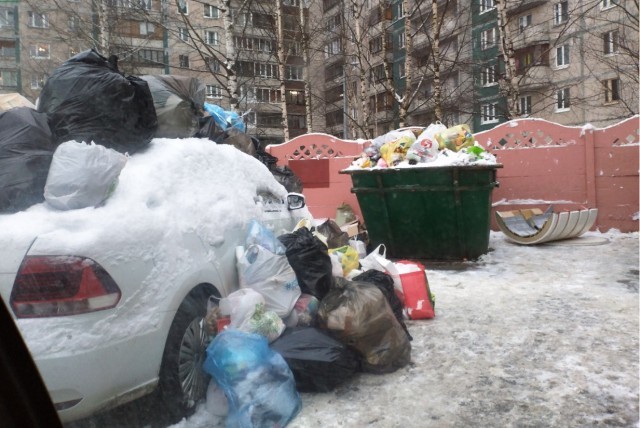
434 145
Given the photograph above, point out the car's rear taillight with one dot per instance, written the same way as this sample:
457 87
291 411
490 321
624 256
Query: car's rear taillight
50 286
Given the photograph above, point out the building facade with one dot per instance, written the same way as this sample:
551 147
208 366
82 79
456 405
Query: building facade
354 69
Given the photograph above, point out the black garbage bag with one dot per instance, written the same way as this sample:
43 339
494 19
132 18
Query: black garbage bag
26 150
88 99
310 260
208 128
319 362
178 101
240 141
358 315
384 282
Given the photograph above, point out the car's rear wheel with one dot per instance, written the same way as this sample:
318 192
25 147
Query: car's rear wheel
183 382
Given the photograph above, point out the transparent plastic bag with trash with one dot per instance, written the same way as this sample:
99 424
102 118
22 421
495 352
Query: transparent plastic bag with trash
358 314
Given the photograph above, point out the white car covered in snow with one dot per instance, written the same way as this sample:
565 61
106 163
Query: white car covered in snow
110 299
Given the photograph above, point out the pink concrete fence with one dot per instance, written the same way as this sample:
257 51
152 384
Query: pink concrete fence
317 159
568 167
543 164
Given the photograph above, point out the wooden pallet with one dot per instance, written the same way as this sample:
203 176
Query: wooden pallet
533 226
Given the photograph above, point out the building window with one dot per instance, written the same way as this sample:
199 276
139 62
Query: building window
333 22
8 78
294 97
375 45
525 105
401 40
37 81
296 121
267 70
211 11
563 100
488 38
488 75
293 72
213 65
267 95
184 61
150 56
293 47
39 51
211 38
562 56
183 34
489 113
561 12
524 22
145 4
487 5
606 4
214 91
183 7
146 28
73 23
243 19
38 20
333 48
6 18
399 7
611 90
610 42
402 71
524 61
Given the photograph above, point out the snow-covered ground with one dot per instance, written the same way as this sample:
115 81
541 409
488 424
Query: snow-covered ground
526 336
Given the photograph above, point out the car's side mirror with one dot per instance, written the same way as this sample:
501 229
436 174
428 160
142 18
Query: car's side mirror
295 201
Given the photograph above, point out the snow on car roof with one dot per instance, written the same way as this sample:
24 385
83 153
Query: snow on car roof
191 184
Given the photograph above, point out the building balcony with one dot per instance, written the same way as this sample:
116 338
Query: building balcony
536 77
531 35
516 8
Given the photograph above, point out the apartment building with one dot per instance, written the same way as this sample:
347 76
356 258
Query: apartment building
162 37
576 61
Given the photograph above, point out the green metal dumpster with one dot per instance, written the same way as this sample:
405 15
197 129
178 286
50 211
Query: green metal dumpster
435 213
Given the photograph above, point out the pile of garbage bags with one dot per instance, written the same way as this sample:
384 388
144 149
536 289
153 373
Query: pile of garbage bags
88 101
435 145
312 311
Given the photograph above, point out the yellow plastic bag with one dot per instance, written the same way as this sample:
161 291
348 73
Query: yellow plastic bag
348 256
455 138
395 151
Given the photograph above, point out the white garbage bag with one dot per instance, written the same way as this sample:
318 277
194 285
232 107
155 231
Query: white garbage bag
82 175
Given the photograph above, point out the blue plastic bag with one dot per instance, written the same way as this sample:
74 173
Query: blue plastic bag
259 234
257 381
225 119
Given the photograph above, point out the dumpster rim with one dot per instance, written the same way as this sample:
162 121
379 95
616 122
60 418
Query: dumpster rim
395 169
